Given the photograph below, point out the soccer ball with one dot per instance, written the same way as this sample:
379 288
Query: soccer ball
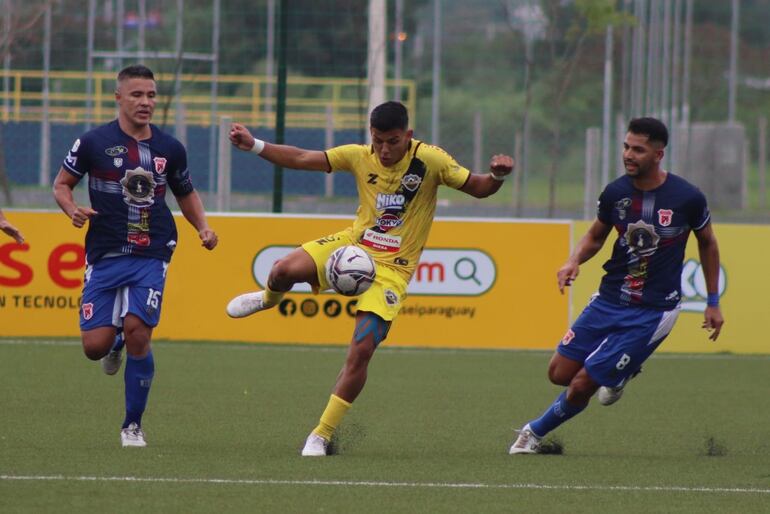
350 270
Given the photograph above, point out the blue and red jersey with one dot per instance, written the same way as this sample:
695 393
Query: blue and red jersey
653 227
127 181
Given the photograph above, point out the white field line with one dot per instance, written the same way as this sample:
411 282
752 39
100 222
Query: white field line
374 483
302 348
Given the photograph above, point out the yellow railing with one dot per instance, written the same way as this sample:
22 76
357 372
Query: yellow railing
247 99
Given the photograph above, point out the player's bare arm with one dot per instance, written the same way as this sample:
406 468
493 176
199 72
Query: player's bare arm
9 229
62 192
482 185
708 251
193 211
586 248
283 155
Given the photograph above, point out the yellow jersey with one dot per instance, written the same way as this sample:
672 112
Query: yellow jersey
397 203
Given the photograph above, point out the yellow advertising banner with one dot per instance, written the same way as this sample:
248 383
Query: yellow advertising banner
479 284
741 285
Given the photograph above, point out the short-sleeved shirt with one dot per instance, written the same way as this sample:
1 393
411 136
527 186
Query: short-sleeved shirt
127 181
653 227
397 203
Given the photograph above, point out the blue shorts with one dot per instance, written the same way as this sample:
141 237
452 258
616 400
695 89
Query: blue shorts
117 286
612 341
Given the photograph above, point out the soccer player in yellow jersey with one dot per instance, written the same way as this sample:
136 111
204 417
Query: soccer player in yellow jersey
397 178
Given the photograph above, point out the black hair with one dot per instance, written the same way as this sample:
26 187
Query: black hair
653 128
389 116
136 71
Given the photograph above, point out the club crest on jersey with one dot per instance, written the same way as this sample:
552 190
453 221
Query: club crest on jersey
641 238
622 205
411 182
568 337
665 216
385 201
116 150
88 311
138 187
118 162
160 164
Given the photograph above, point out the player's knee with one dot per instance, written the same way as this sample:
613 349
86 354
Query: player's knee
558 379
92 353
281 275
137 337
558 375
95 351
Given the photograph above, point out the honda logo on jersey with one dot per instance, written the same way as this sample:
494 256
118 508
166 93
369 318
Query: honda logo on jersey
160 164
665 216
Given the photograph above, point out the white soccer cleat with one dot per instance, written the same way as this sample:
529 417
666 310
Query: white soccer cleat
609 395
132 436
526 443
112 361
315 446
246 304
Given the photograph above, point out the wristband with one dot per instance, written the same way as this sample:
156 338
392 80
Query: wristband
712 300
259 145
499 178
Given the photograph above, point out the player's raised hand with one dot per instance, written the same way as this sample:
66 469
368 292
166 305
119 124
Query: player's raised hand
81 215
501 165
713 321
12 231
209 238
567 274
240 137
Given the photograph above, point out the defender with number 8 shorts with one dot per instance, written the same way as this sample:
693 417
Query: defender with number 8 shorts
653 212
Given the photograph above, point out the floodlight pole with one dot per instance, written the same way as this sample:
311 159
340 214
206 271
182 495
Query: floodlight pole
280 108
434 110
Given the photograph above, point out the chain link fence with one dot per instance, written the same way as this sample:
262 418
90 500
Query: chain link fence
551 82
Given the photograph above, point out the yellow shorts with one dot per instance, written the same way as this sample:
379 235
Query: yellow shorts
387 293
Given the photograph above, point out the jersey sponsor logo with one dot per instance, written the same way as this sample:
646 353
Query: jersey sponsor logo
118 162
380 241
622 205
75 146
388 221
160 164
372 178
138 187
88 311
411 181
665 216
71 159
116 150
390 201
642 238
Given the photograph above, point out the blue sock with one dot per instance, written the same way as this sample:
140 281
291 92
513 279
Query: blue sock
559 412
138 378
119 341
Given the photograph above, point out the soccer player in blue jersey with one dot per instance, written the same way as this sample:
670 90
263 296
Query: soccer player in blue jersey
9 229
131 234
653 212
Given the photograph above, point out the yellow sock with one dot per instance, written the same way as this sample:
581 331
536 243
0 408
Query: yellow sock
332 416
272 297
